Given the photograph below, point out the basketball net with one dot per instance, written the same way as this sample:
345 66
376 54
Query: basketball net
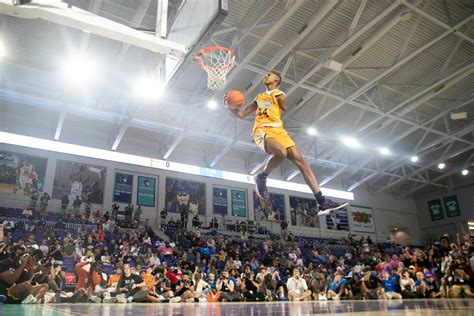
217 61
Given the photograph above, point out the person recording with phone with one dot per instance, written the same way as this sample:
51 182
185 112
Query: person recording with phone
227 289
251 289
16 273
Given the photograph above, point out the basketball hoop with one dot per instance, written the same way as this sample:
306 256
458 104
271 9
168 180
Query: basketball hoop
217 61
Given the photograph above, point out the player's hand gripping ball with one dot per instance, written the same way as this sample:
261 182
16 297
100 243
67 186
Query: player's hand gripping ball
234 99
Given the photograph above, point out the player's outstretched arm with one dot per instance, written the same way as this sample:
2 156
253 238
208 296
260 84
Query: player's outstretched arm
252 107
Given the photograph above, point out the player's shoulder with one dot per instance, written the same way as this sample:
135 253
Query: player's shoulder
278 92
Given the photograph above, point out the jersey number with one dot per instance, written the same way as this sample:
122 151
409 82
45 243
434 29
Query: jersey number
263 112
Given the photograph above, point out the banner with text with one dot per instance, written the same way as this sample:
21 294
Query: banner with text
436 209
361 219
337 220
146 191
123 188
219 201
451 205
239 203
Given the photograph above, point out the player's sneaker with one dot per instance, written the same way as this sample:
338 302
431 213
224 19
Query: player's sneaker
30 299
261 186
329 206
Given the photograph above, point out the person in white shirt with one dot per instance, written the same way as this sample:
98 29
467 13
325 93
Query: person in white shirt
237 263
154 260
297 287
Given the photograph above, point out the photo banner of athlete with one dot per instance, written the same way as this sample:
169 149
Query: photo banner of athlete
123 188
304 212
271 210
146 189
337 220
21 174
219 201
361 219
239 203
75 179
185 196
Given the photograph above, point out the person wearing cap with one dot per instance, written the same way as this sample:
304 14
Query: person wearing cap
432 288
297 287
15 275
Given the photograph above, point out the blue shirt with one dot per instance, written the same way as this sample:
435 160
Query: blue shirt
388 285
336 286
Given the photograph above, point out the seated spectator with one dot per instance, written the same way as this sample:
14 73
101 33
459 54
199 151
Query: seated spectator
226 289
370 284
407 285
297 287
15 275
389 287
337 287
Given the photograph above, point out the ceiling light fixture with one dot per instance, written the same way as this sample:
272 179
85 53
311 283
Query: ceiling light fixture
79 70
148 89
312 131
465 172
351 142
441 165
212 105
384 151
414 158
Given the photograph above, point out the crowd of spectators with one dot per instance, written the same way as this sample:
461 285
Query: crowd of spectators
123 261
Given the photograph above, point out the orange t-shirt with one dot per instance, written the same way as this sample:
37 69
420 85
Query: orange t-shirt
113 280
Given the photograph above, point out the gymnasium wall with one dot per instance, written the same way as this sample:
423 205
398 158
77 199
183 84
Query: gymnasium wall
387 212
446 225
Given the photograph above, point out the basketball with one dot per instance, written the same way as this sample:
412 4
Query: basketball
234 99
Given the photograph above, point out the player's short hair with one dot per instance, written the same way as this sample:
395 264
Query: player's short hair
276 73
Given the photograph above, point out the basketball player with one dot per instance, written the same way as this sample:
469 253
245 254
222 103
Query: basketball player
25 178
271 137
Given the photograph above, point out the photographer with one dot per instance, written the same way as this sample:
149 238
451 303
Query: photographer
251 288
184 290
16 273
458 281
227 289
129 288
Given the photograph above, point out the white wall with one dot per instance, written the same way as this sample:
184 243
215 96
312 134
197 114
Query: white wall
387 211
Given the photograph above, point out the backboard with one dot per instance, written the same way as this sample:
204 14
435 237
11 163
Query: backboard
193 26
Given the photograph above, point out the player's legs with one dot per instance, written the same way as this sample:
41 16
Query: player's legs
326 205
294 155
273 141
278 152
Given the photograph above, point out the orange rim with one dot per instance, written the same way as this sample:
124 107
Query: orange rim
205 50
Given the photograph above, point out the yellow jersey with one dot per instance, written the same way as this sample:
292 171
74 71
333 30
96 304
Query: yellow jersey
268 109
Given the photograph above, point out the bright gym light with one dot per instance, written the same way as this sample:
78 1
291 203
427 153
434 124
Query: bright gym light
384 151
212 105
312 131
414 158
441 165
79 70
465 172
351 142
147 89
